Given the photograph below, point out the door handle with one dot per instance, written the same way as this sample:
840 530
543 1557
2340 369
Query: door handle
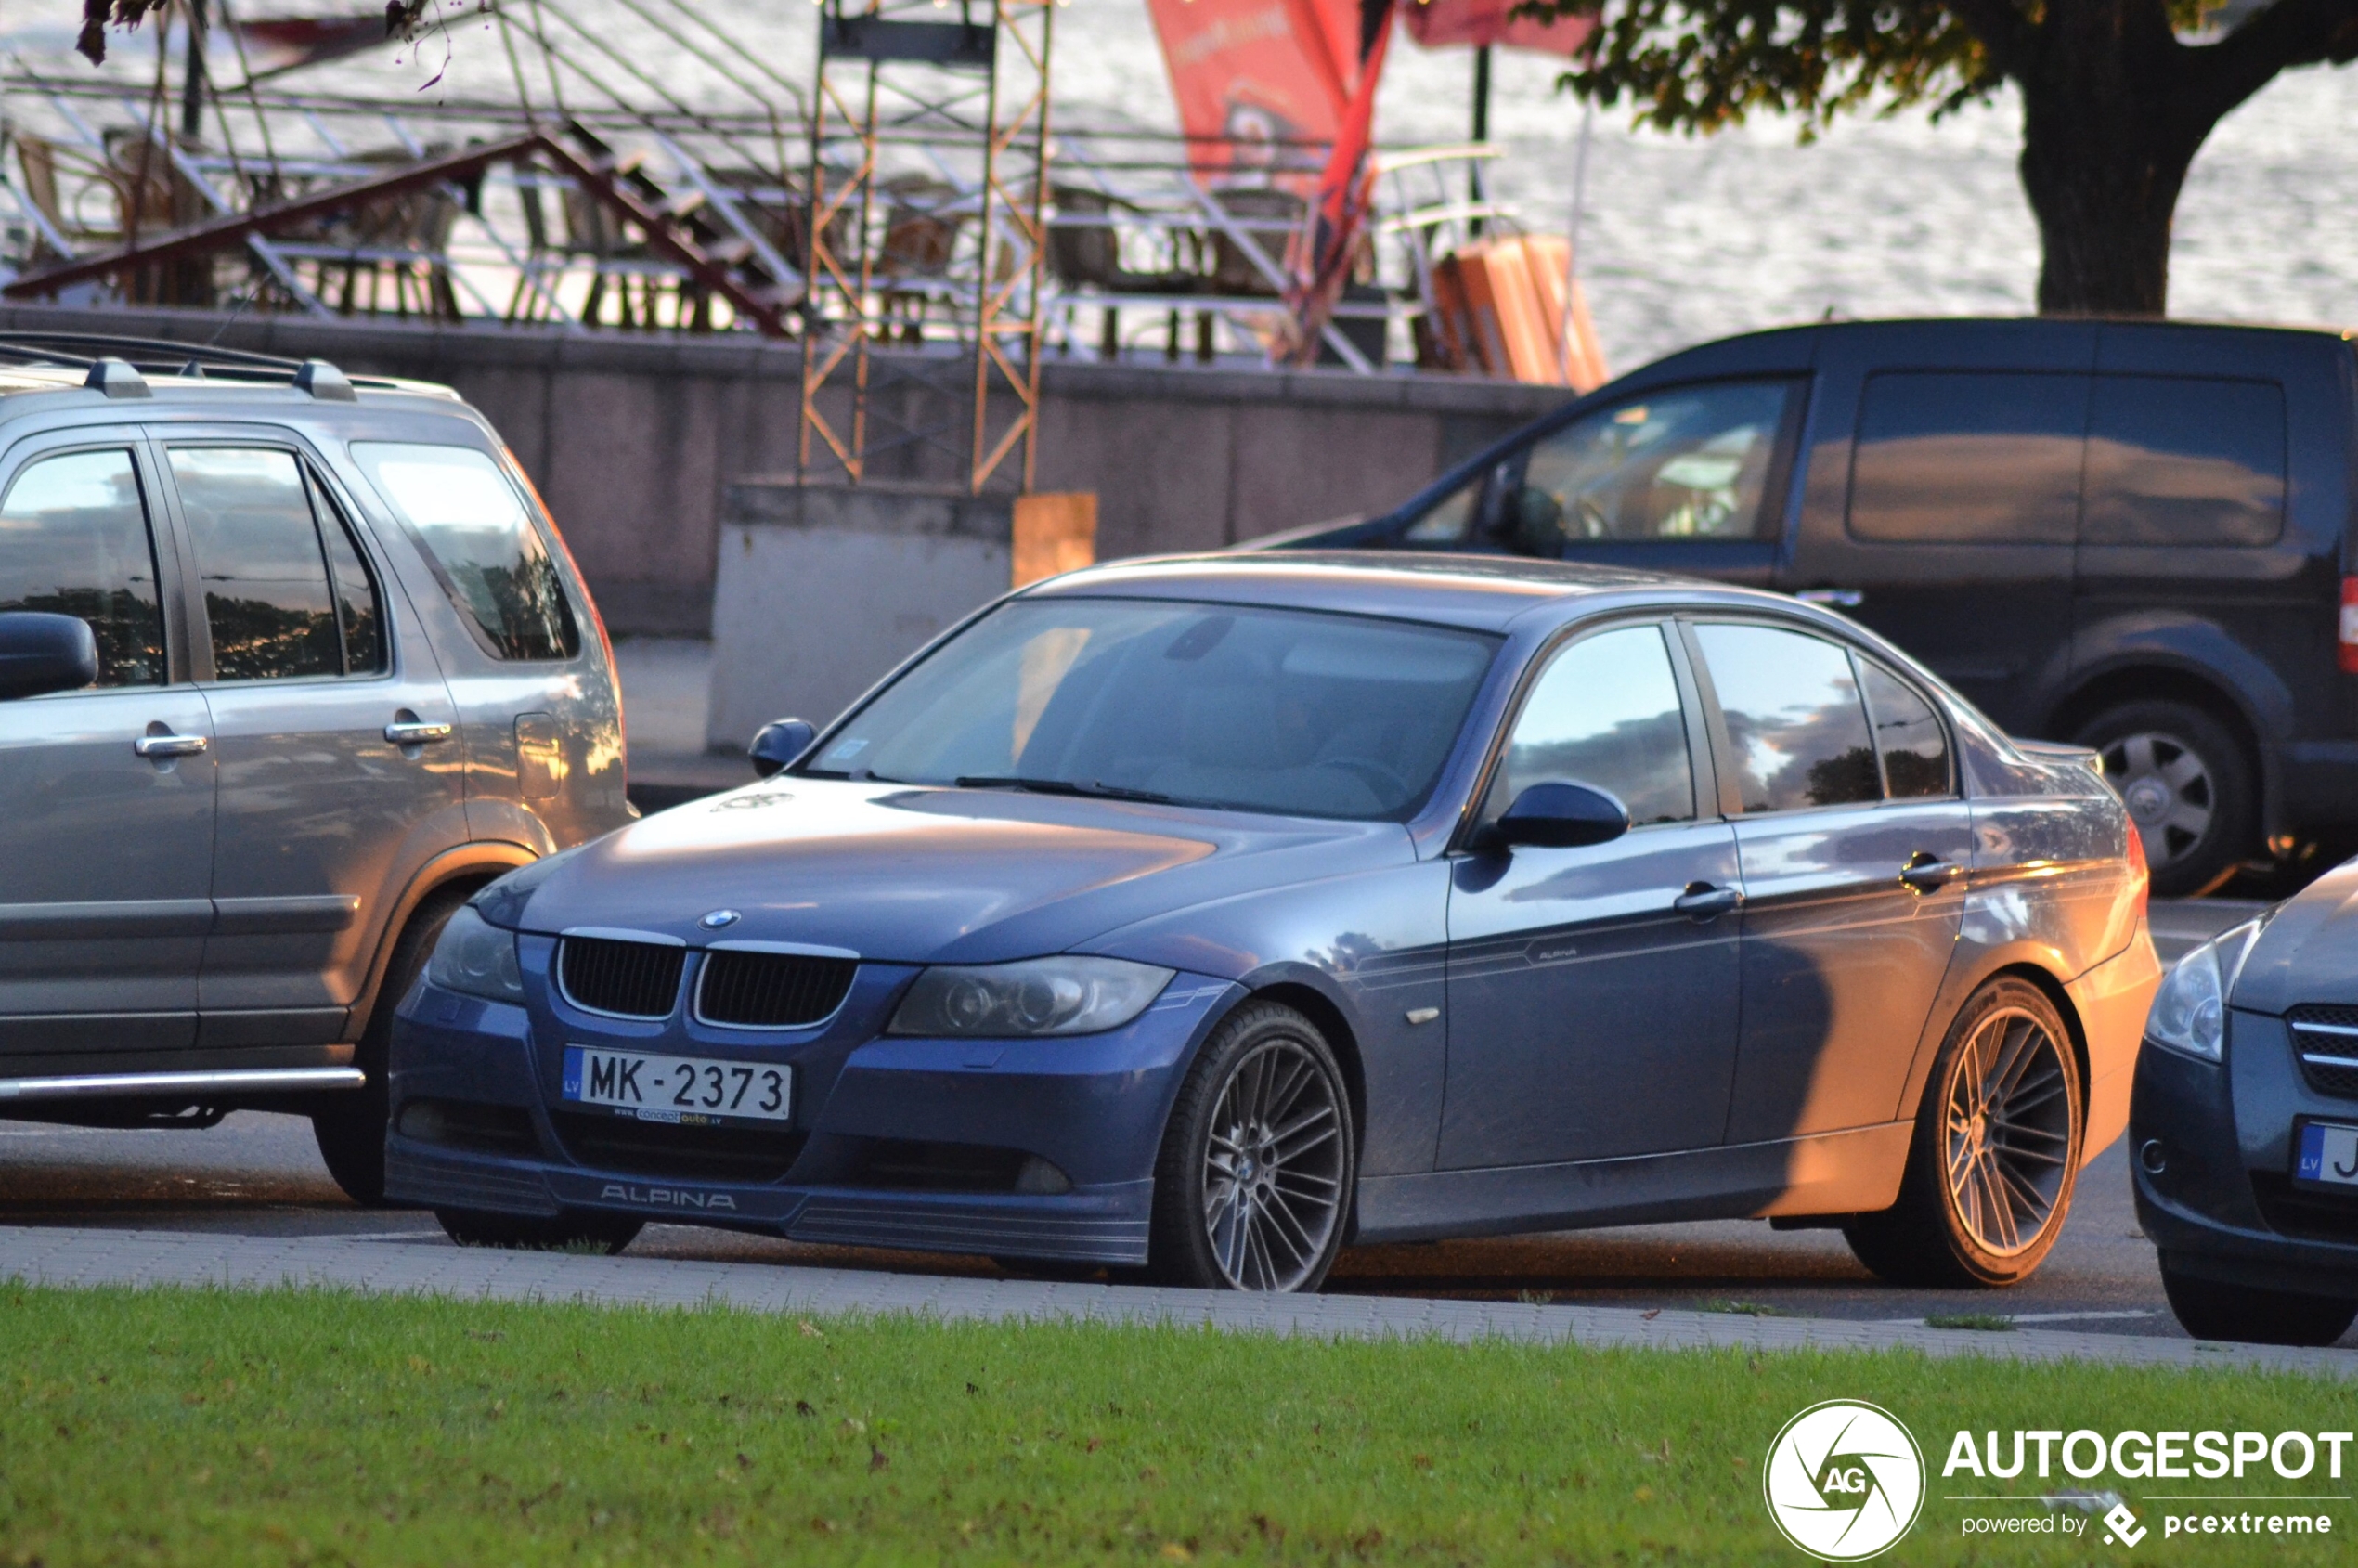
1926 873
1703 902
156 748
411 732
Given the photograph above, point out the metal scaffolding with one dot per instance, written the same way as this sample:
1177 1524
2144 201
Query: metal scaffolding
955 238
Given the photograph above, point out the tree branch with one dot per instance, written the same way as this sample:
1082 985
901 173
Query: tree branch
2008 37
2287 33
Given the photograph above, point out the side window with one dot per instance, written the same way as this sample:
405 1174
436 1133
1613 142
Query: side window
1450 520
359 612
1689 463
74 542
1969 458
1794 719
1605 713
473 525
267 597
2183 461
1909 736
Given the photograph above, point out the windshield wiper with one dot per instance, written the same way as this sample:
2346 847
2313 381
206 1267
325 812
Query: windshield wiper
1092 790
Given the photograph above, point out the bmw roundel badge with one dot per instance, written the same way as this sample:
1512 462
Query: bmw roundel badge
719 918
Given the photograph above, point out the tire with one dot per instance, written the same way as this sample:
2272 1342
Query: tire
1995 1220
350 1129
1259 1161
574 1230
2188 785
2208 1310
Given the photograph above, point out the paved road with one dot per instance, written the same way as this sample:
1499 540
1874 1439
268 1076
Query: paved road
258 1175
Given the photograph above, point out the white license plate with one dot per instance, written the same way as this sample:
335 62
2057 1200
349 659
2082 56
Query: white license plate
694 1089
2328 1154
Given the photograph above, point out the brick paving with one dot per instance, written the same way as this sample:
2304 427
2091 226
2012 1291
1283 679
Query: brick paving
84 1258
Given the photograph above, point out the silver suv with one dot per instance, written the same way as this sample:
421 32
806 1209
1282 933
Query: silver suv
291 664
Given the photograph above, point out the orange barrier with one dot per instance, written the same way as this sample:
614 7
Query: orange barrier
1499 309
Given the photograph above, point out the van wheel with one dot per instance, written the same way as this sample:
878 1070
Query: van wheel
1256 1173
2188 787
2208 1310
574 1230
350 1129
1996 1152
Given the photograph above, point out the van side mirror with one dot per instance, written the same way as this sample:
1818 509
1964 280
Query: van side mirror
1558 816
778 743
42 652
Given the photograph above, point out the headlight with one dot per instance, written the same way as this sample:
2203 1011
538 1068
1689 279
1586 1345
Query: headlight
1037 996
476 957
2190 1010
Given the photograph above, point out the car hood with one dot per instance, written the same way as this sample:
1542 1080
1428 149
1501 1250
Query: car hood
912 874
2307 951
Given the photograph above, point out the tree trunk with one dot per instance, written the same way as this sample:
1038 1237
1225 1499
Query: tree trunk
2109 135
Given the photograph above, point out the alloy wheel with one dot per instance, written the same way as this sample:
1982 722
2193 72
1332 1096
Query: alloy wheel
2009 1132
1273 1169
2169 791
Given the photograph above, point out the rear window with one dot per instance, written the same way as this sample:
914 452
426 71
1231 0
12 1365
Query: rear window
491 558
1969 458
2181 460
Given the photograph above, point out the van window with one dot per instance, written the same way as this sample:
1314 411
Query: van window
473 525
2179 460
1684 463
1969 457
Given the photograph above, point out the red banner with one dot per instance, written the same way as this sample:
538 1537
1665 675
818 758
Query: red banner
1251 76
1439 23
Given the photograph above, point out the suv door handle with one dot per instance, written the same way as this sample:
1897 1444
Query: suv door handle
157 747
415 732
1703 902
1841 597
1923 872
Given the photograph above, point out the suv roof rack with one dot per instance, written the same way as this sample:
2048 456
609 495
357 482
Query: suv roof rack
167 357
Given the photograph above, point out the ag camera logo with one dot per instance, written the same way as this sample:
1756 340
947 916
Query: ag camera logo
1844 1479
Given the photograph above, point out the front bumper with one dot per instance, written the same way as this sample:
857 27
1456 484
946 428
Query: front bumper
2222 1206
1091 1107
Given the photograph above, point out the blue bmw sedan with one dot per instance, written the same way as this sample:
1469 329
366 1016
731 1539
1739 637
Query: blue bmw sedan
1195 918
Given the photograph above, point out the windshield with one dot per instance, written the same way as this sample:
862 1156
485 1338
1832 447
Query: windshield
1204 704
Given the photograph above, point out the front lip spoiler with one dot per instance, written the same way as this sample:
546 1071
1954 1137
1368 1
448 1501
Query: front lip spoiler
121 1085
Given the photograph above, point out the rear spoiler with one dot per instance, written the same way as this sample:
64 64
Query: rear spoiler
2060 751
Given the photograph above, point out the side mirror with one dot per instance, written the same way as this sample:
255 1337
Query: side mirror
41 653
1559 816
778 743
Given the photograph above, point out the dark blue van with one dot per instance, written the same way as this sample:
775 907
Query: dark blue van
2131 535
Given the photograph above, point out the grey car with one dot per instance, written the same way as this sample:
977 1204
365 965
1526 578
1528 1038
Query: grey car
292 664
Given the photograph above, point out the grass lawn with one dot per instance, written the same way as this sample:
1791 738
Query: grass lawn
177 1427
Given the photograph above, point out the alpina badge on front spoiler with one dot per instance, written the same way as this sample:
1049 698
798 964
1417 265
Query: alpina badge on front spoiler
719 918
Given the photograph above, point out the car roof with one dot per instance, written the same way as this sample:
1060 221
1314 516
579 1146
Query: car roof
1481 593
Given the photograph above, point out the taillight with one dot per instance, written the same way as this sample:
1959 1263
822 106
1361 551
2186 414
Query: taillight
2141 876
2349 629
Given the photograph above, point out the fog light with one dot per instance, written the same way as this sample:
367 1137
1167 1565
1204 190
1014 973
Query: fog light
1039 1176
2153 1157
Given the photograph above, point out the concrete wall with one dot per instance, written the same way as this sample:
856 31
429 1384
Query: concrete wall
632 439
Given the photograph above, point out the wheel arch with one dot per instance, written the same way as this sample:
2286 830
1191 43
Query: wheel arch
2146 676
1329 1016
468 867
2018 965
